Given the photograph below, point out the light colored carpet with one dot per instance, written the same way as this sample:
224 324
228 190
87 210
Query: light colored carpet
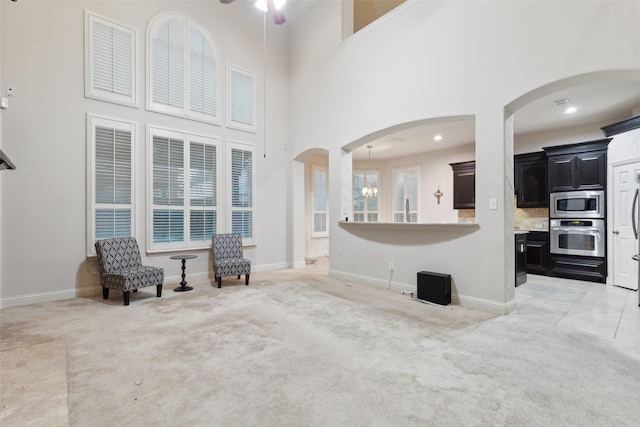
291 350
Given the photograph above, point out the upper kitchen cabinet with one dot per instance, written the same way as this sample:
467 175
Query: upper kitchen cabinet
464 185
530 176
578 166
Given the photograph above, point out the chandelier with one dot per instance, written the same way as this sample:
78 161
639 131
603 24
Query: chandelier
369 192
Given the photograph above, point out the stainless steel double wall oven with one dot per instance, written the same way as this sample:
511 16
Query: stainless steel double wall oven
577 223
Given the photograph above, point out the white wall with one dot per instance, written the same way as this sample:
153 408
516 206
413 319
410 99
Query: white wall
532 142
438 59
434 172
43 202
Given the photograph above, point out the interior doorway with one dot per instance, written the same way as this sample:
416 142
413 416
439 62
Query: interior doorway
311 197
625 269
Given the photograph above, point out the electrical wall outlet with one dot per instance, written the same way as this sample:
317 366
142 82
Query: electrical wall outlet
392 266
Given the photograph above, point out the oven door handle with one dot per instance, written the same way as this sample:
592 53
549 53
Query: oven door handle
578 229
633 214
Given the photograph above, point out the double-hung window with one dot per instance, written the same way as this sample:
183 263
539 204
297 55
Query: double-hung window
183 198
405 194
110 179
242 183
183 68
110 61
364 209
319 201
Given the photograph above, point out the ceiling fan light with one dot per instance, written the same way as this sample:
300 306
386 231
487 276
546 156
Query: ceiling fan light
262 4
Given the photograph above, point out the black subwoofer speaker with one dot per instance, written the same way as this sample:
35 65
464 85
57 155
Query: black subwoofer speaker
434 287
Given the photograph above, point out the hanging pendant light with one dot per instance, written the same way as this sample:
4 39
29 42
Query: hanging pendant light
369 192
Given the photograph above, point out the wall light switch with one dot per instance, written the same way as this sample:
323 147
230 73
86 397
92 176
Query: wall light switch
4 102
493 204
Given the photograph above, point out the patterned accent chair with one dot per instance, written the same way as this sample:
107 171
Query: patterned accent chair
228 259
121 268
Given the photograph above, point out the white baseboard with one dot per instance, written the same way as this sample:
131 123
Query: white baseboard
463 300
90 291
38 298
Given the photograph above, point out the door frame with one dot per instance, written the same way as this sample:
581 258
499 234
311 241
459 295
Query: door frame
610 214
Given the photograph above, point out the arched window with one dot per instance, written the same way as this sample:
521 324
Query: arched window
183 68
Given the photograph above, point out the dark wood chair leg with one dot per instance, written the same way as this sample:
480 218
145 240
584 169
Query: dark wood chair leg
105 293
159 290
238 277
246 279
135 291
126 296
219 282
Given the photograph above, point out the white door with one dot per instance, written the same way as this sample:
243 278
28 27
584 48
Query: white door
625 270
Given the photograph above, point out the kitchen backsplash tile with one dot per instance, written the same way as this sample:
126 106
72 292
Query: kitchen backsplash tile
466 216
534 219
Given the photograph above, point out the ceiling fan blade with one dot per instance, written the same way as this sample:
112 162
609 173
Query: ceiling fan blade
226 1
278 17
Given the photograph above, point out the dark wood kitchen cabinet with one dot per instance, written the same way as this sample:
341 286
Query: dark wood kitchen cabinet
521 258
464 185
537 252
591 269
578 166
530 180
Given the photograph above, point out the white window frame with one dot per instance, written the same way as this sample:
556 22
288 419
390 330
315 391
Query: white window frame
366 212
185 111
312 208
238 145
416 210
231 123
90 89
187 139
94 121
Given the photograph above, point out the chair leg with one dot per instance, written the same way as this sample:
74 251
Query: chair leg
246 279
238 277
126 295
105 293
219 282
135 291
159 290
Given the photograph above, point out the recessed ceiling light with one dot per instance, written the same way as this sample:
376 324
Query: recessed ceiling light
437 138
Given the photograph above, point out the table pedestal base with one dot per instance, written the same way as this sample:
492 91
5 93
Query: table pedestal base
183 285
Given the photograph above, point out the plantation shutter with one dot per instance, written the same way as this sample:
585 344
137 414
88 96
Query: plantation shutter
242 192
168 190
112 183
398 196
405 195
241 106
203 191
358 199
111 61
319 200
411 210
203 74
168 64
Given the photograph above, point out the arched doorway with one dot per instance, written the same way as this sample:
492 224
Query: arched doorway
537 119
311 207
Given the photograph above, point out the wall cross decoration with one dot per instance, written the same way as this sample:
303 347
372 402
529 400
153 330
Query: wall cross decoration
438 194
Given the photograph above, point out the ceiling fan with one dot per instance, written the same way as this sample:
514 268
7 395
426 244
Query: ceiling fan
272 6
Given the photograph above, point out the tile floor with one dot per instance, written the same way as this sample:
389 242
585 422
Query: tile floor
609 312
33 380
